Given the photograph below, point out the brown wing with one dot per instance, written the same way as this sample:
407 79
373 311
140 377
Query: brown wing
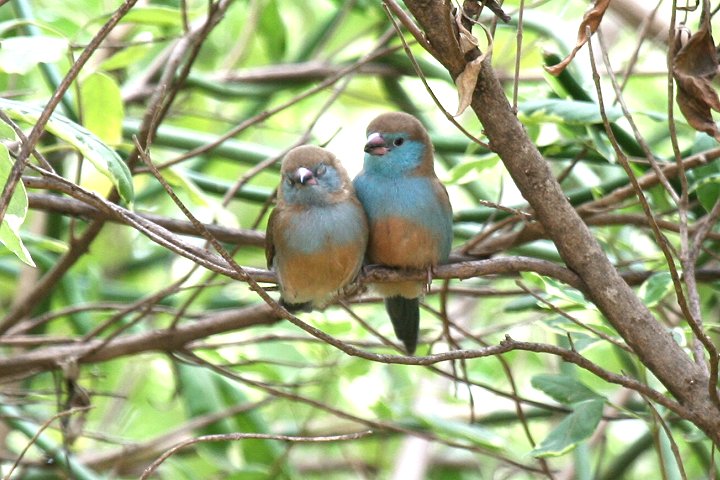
269 244
442 195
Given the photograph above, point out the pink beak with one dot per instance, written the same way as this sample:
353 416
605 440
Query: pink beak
304 176
376 144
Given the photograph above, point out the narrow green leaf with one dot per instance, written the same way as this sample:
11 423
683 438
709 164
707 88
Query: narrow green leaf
469 171
103 158
201 397
460 430
262 452
566 390
102 106
655 288
22 54
272 29
708 191
46 443
574 428
533 279
6 131
15 213
154 15
570 112
558 291
178 178
126 57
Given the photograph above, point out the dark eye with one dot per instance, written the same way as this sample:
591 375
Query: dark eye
398 141
321 169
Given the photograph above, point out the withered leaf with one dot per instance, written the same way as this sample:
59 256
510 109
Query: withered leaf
694 66
591 19
467 80
495 7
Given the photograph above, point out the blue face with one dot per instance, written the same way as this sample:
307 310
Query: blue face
325 181
403 155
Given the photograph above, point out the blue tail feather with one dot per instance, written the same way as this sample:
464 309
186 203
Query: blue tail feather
405 316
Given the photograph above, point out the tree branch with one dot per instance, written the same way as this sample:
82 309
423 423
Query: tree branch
578 248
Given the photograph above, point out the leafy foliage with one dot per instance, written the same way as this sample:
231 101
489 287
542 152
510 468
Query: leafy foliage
124 334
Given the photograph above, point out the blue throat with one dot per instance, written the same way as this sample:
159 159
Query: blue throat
314 228
388 187
398 161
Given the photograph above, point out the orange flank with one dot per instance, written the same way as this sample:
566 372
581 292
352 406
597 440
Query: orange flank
333 266
396 242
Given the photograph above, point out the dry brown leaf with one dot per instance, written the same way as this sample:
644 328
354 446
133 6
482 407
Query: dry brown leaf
591 19
495 7
695 64
467 80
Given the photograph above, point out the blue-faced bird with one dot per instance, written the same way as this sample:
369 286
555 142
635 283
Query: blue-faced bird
408 211
317 234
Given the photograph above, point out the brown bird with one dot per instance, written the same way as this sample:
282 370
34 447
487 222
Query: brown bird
408 211
317 234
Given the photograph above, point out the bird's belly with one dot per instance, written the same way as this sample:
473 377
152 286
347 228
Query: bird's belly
397 242
318 276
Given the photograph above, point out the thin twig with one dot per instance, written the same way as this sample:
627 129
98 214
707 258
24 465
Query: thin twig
227 437
42 428
39 126
518 52
422 77
693 322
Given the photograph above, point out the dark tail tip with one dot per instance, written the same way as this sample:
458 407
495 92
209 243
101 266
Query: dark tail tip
296 307
405 316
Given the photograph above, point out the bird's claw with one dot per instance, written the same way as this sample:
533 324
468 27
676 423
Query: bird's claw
428 279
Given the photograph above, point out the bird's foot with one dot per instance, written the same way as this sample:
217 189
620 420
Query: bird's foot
428 279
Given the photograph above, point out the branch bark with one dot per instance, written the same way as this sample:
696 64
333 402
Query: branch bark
579 249
161 340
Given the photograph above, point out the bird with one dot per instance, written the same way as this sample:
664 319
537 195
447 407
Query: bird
409 213
317 234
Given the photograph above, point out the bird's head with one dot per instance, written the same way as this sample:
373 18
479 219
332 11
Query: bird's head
397 143
312 175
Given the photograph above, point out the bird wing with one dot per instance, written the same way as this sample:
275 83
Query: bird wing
442 195
269 243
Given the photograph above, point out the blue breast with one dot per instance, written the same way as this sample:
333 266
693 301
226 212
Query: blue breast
313 228
412 198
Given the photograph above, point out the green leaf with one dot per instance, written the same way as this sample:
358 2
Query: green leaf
469 171
262 452
102 106
22 54
382 410
461 430
201 397
708 191
602 145
207 392
126 57
178 178
273 30
574 428
655 288
15 213
154 15
563 389
103 158
569 112
6 132
558 291
533 279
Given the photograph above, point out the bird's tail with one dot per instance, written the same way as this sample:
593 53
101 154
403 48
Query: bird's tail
405 316
296 307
